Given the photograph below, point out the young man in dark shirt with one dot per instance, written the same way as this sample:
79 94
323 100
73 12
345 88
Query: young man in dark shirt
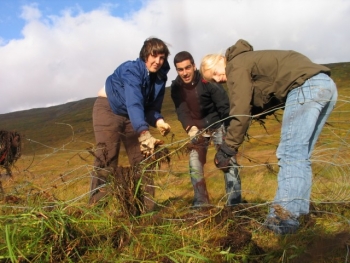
202 108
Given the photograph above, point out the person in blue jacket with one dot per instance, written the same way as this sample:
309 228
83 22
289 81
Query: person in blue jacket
126 106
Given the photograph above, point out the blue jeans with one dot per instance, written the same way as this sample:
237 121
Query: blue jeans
198 159
306 111
198 155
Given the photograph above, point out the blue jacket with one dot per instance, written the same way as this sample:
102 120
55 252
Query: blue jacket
130 94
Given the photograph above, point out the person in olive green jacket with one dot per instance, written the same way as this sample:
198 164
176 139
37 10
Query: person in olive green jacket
260 82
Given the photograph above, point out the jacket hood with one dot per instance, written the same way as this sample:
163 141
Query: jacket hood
196 78
238 48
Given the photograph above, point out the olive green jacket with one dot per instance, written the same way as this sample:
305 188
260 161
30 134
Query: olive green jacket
259 81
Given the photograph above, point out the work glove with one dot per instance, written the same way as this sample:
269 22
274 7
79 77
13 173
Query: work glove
148 143
225 157
163 127
193 133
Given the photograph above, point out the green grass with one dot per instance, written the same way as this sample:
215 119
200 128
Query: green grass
44 216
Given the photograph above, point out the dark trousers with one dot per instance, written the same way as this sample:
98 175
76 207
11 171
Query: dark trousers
110 130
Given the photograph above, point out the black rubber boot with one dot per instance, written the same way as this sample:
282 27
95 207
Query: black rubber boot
233 186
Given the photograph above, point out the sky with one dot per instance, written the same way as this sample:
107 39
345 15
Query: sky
57 51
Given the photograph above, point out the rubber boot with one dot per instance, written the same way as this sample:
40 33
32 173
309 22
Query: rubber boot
233 186
99 178
196 162
148 193
201 197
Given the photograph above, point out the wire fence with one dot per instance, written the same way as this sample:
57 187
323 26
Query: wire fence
63 175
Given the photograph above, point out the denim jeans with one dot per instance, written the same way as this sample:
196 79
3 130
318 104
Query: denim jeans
198 159
198 155
306 111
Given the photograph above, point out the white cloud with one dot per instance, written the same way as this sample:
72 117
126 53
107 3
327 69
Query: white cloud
31 12
68 56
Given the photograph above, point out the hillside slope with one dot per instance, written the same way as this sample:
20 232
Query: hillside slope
54 126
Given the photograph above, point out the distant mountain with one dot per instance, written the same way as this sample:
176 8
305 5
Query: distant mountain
52 126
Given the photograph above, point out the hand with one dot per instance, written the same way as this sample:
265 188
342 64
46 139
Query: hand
225 157
163 127
193 133
148 143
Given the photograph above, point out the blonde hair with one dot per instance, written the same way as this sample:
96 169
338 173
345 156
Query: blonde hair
207 65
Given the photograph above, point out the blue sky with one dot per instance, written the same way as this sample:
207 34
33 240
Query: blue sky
11 22
56 51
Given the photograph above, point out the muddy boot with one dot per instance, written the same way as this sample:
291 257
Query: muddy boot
99 178
201 197
196 163
233 186
148 193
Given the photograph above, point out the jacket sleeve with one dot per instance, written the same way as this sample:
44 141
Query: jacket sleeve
182 110
240 96
153 109
154 105
221 102
134 98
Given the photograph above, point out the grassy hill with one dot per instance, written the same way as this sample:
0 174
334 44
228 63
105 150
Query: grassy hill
44 216
46 125
54 126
